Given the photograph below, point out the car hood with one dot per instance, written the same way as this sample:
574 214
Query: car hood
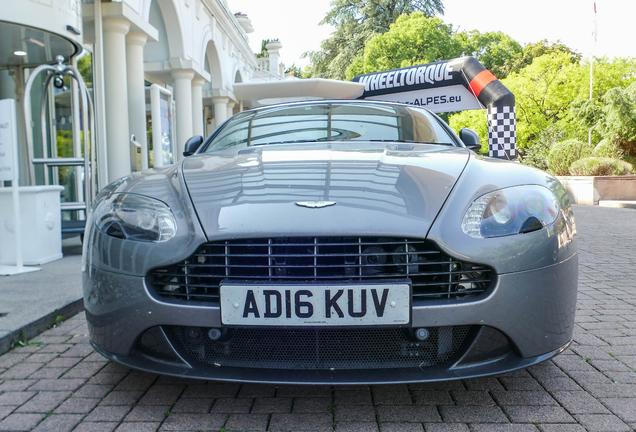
393 189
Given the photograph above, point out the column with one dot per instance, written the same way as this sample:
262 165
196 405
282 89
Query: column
135 43
230 108
220 109
183 101
116 97
197 107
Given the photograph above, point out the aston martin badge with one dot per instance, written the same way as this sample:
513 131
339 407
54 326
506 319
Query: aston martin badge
315 204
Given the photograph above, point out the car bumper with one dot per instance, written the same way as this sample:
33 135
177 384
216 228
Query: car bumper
533 311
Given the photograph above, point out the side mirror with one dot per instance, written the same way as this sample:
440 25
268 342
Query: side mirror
470 139
192 145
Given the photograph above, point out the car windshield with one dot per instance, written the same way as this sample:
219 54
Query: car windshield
330 122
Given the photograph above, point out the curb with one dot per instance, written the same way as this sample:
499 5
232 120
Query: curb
38 326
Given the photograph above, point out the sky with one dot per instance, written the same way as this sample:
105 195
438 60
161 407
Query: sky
295 23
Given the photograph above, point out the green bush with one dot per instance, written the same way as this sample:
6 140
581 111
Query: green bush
607 149
601 166
564 153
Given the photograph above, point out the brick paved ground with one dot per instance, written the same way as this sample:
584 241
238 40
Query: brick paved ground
63 385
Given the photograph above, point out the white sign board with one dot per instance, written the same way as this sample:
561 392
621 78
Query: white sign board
438 100
8 138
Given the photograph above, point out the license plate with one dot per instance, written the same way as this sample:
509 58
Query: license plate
315 305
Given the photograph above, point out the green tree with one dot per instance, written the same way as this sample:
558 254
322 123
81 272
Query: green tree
412 39
355 23
497 51
534 50
263 52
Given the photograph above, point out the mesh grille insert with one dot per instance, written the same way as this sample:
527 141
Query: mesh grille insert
320 260
320 349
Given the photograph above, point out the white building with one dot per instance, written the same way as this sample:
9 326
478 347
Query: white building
161 70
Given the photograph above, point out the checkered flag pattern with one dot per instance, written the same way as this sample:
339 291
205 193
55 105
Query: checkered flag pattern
502 132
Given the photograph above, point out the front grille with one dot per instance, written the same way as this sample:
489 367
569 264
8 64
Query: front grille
320 260
320 349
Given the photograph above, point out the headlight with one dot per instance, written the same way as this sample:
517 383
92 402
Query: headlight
135 217
514 210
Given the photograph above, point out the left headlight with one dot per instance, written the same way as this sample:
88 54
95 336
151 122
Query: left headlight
515 210
135 217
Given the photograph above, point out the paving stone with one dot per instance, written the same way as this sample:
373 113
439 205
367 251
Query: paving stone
521 384
138 427
561 427
96 427
232 405
193 405
407 413
211 390
84 370
391 395
523 398
490 427
354 397
122 397
108 413
602 423
148 413
93 390
5 411
472 414
44 402
472 397
193 422
358 426
106 378
616 390
20 370
59 423
58 384
444 385
536 414
63 362
16 398
401 427
558 383
136 381
250 422
162 395
579 402
482 384
48 373
39 358
309 405
272 405
446 427
11 358
301 422
257 390
625 408
433 397
20 422
79 405
303 391
16 385
354 413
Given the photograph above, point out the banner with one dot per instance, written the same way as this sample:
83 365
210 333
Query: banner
451 85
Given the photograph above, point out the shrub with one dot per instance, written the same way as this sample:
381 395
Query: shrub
607 149
601 166
564 153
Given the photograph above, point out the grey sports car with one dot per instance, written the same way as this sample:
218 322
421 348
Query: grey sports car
332 242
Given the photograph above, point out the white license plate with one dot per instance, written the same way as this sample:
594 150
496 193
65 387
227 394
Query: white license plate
315 305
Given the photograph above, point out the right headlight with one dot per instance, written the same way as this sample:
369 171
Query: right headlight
514 210
135 217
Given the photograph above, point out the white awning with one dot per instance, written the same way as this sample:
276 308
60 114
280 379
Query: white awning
254 94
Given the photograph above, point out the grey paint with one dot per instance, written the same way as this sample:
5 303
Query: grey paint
381 189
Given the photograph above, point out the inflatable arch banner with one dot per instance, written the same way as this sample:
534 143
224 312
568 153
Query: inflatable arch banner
451 85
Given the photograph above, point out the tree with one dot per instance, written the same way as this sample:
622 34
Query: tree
497 51
413 39
534 50
263 52
356 22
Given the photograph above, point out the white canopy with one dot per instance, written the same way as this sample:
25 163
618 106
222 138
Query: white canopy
256 94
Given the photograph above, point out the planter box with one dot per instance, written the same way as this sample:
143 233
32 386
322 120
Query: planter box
40 225
589 190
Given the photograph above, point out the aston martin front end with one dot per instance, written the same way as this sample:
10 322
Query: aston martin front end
332 242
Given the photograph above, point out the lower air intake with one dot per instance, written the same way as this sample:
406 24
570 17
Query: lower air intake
320 349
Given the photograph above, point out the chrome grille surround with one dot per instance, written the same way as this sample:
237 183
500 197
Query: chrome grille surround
320 260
